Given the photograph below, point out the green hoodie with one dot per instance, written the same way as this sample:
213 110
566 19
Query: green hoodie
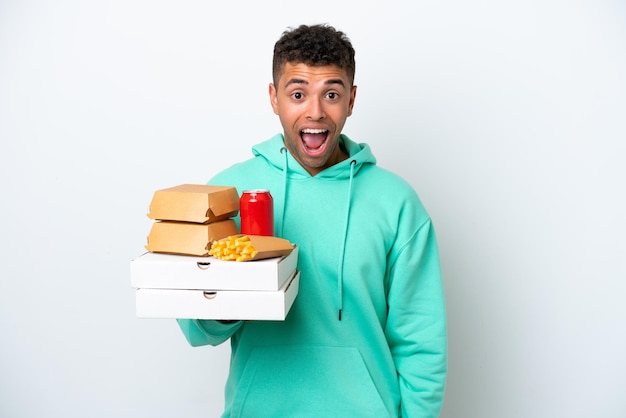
366 336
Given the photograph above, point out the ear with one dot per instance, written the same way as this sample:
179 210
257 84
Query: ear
273 98
352 98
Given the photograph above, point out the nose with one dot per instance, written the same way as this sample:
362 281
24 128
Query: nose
315 110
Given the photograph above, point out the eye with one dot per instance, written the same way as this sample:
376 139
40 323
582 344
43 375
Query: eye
297 95
332 95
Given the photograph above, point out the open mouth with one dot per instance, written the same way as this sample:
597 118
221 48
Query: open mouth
314 140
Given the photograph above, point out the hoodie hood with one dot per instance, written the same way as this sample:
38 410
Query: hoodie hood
276 154
274 151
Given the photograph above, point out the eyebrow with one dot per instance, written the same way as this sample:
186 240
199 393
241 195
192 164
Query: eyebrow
327 82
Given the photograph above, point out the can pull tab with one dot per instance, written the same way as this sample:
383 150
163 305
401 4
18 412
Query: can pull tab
204 265
209 295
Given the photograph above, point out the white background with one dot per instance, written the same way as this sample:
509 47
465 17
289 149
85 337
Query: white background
507 117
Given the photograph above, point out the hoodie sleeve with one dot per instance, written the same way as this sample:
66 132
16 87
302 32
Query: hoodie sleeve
207 332
416 324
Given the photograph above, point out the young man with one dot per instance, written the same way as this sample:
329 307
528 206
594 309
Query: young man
366 336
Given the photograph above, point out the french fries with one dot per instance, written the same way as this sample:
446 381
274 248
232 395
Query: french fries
233 248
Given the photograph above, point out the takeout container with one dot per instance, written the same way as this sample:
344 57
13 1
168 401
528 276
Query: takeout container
198 203
263 247
189 217
167 271
187 238
218 304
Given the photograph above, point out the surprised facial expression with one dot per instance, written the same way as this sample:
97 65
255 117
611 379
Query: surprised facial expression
313 104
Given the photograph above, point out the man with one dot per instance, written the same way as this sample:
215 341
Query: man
366 336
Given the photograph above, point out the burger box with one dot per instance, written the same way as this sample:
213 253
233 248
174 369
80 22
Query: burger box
218 304
199 203
169 271
188 238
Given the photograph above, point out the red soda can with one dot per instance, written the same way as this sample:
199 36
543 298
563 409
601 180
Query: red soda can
256 210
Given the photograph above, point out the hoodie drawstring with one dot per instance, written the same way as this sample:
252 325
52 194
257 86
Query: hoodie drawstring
342 253
283 151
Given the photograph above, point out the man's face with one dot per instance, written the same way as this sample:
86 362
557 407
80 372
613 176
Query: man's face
313 104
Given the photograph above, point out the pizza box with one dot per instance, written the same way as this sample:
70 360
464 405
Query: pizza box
170 271
219 304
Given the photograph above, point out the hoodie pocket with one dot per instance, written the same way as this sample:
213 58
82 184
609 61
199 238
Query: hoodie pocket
307 382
